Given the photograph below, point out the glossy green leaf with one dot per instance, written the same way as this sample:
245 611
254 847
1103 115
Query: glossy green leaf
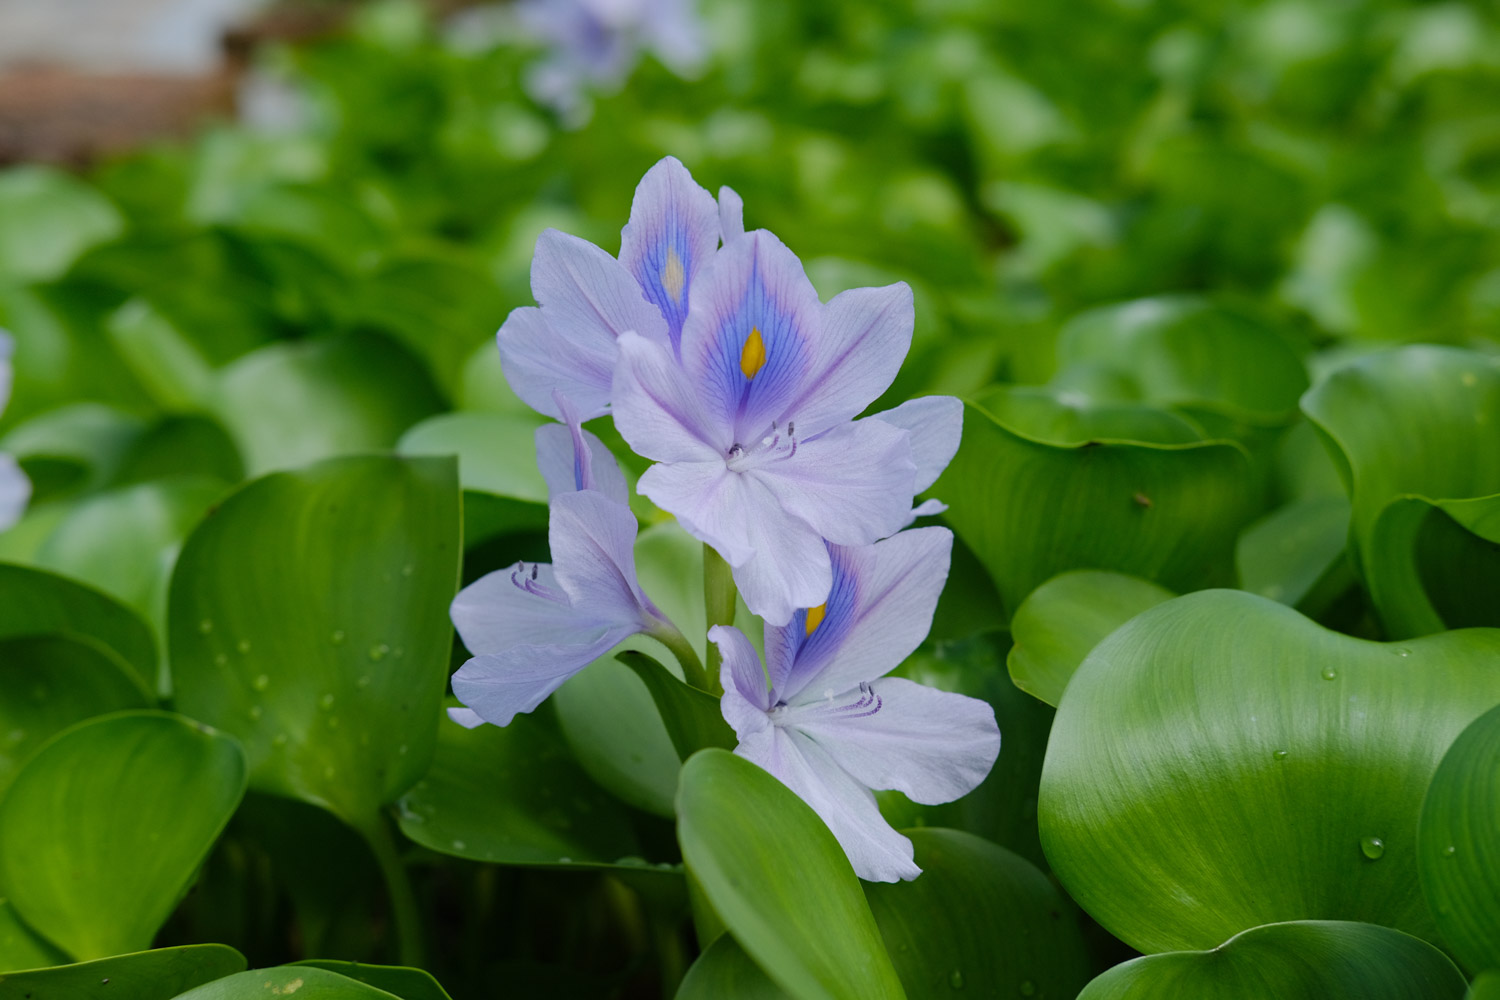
724 970
1031 510
1186 351
514 795
408 984
1414 431
104 828
20 947
285 980
1301 960
980 919
1275 770
290 404
33 601
1068 418
1066 617
779 881
49 682
309 617
1458 850
611 724
692 717
1295 554
47 220
145 975
125 540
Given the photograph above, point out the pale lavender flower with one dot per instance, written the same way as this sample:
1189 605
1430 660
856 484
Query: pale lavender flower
15 488
751 421
531 626
824 719
587 299
594 45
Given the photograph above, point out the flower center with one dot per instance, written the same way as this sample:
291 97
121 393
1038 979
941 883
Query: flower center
527 581
774 447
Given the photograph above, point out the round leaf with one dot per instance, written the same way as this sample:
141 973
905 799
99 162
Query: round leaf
145 975
305 982
1415 431
779 881
1458 844
1302 960
105 826
50 682
1221 762
978 918
1066 617
1031 510
309 617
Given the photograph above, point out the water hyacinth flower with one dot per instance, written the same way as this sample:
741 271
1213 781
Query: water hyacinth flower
531 626
567 344
751 421
595 44
825 720
15 488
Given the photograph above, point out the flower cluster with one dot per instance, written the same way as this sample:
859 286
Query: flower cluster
717 360
15 488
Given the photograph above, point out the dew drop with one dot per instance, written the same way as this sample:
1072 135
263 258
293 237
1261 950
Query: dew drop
243 646
1028 988
565 861
1372 848
279 739
399 652
205 626
378 651
326 701
1449 851
261 682
221 660
333 722
337 637
330 772
256 712
1401 651
408 569
1279 755
956 979
1329 673
403 749
459 845
364 681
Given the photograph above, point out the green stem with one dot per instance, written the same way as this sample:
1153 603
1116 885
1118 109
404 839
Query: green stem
377 833
719 596
687 656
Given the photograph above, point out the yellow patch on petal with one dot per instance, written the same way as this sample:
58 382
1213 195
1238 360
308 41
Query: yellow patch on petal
753 355
673 277
815 617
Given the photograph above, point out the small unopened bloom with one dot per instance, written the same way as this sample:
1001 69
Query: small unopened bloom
531 626
15 488
825 720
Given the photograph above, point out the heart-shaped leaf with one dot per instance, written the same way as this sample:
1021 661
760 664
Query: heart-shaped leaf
50 682
1458 850
145 975
779 881
978 918
1264 769
293 403
1414 431
103 829
309 617
1030 510
514 795
1301 960
1066 617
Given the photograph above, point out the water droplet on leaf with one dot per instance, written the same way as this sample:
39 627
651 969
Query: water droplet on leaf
1279 755
956 979
1372 848
1028 988
337 637
205 626
1329 673
326 701
243 646
378 651
261 682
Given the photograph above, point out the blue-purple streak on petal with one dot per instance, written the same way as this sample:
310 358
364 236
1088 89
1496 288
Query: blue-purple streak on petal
866 335
731 215
657 409
752 284
936 425
880 609
672 233
931 745
571 459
